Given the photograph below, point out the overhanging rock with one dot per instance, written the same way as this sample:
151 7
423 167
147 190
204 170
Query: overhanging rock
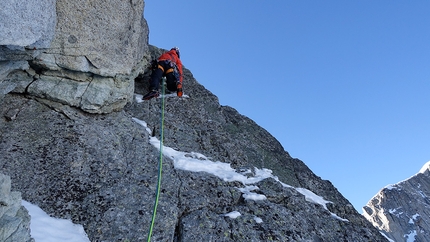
88 60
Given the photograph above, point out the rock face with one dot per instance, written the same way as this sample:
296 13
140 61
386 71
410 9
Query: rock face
401 211
88 59
30 23
14 218
101 172
106 38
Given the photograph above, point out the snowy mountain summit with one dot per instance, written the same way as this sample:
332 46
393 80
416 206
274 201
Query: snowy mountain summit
425 168
401 211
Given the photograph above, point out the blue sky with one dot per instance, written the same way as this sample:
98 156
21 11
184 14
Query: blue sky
343 85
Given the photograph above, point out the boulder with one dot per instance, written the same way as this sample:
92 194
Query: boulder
14 218
104 37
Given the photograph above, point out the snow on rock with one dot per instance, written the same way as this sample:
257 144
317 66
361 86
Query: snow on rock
249 195
48 229
400 210
233 214
195 162
258 220
411 236
425 167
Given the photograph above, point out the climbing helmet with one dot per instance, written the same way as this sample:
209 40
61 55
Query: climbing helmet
177 50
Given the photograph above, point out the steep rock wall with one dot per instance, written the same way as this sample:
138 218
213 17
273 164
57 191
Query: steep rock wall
27 23
101 171
88 61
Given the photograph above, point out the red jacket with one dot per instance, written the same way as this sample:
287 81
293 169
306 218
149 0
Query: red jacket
173 57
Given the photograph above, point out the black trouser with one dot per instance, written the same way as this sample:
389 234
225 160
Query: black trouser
158 73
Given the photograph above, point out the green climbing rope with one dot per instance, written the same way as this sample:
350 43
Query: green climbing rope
160 163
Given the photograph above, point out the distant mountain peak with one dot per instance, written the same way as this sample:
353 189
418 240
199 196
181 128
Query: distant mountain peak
400 210
425 167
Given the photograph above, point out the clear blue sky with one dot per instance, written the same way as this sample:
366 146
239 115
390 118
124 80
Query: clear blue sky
343 85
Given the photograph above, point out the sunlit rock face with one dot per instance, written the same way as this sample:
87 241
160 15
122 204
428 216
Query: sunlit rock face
401 210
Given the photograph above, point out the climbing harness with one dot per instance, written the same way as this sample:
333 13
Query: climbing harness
160 163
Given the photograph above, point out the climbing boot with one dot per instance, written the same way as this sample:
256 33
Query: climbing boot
151 94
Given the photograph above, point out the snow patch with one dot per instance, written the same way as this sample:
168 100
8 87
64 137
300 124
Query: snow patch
413 218
258 220
312 197
390 240
425 167
139 97
48 229
411 236
422 194
393 186
249 195
395 212
196 162
233 214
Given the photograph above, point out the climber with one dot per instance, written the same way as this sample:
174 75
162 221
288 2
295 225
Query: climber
170 66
